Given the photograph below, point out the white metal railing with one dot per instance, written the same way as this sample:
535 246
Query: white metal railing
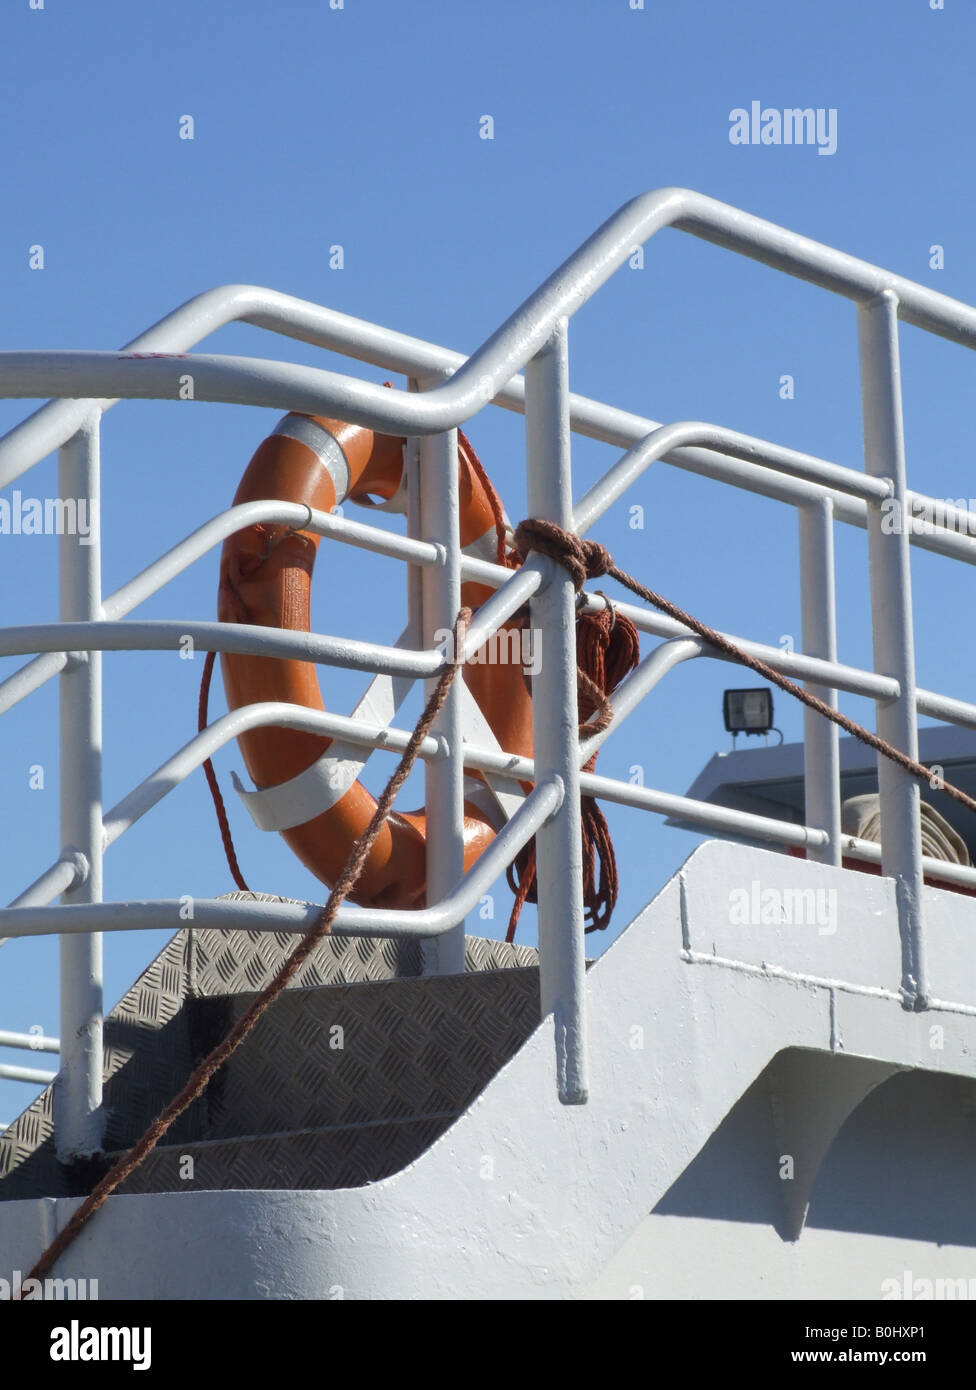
446 389
32 1042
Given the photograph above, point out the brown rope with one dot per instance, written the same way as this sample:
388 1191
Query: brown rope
323 926
466 450
587 560
607 649
212 782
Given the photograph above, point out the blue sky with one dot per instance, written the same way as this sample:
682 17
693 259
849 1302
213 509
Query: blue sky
359 126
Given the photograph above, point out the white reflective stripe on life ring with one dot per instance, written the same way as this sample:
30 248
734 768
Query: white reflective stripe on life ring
475 729
326 782
323 445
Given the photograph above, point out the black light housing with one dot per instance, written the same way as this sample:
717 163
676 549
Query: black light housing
748 711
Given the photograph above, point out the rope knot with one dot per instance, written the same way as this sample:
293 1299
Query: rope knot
607 648
597 558
583 560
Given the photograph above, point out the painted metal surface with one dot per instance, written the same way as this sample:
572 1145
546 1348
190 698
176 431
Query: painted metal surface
771 781
79 1119
440 603
526 1198
821 739
33 1042
30 1074
156 365
894 639
473 385
556 746
432 1045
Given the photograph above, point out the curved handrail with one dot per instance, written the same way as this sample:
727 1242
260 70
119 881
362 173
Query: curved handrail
541 803
732 443
486 371
534 336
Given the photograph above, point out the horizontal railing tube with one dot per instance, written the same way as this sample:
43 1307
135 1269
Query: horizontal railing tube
249 640
30 1074
170 915
30 1042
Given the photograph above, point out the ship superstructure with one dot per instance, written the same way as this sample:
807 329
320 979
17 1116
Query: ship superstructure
764 1088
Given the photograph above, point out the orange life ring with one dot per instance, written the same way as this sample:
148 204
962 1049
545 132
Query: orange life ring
265 578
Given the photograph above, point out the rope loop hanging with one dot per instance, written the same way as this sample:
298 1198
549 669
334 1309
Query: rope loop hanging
607 649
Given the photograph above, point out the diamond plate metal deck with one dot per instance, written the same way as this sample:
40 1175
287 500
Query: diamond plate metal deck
303 1104
414 1052
395 1049
350 1157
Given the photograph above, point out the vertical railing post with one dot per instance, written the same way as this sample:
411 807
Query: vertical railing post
415 573
894 642
78 1116
562 961
444 784
821 742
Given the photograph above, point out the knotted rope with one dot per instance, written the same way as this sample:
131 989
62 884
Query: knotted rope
582 559
607 649
587 559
